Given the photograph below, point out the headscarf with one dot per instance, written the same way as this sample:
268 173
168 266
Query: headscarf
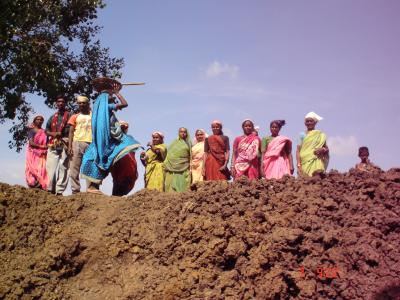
314 116
81 98
194 141
32 125
216 122
159 133
245 120
178 154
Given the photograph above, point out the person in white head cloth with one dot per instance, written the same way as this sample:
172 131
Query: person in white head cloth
197 160
152 160
312 152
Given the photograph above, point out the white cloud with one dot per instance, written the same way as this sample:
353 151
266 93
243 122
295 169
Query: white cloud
222 89
343 145
218 69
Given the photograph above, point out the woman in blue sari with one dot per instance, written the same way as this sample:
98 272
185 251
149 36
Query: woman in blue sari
109 144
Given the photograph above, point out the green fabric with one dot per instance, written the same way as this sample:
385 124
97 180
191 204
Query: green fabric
310 163
177 182
264 143
177 165
178 156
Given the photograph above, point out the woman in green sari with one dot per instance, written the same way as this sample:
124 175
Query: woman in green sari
312 153
177 163
153 159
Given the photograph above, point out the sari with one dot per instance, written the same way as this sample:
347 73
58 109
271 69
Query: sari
124 173
197 162
310 163
154 176
216 158
35 164
276 160
246 149
109 143
176 165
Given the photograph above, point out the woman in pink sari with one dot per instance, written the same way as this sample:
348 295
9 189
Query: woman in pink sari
36 152
246 150
277 159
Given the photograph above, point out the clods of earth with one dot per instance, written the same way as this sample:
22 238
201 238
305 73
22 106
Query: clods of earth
336 237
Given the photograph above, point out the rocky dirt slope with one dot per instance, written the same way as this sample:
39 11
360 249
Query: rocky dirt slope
336 237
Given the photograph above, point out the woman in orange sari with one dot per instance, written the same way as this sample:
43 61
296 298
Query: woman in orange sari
216 154
246 150
36 152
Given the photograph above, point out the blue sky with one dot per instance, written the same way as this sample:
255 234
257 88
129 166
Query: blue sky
263 60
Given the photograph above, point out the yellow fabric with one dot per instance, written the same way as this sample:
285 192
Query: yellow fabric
154 177
197 162
309 161
83 128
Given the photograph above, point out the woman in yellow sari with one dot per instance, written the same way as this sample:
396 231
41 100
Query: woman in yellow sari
312 153
197 162
153 159
177 163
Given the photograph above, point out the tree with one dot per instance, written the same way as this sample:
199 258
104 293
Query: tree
36 37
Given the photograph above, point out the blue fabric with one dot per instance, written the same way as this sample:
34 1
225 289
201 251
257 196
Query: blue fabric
104 150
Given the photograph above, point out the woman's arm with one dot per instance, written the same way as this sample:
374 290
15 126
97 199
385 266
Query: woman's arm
227 153
143 158
123 103
298 159
322 152
34 145
156 151
233 162
70 139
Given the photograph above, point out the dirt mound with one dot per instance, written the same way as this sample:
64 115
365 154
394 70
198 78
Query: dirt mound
336 237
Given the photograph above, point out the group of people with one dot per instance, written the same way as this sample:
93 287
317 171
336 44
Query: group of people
93 143
89 144
183 162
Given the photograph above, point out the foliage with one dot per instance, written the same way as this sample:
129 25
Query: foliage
36 56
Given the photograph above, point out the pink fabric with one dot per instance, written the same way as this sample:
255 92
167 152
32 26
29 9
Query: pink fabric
275 162
246 161
35 165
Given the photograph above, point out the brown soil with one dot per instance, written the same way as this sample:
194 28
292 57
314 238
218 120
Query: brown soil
243 240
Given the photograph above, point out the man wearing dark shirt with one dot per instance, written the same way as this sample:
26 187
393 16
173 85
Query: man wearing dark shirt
57 130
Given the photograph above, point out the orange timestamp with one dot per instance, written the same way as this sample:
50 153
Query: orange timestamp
322 272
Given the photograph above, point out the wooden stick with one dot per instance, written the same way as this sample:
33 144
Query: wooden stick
133 83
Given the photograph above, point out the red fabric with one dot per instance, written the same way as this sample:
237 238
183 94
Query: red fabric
215 159
59 128
35 164
246 160
124 173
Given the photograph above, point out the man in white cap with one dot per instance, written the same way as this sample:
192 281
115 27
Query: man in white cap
312 153
80 136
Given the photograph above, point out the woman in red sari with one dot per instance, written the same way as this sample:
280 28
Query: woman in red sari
246 150
216 154
124 171
36 152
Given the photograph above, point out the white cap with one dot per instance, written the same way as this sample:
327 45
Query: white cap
314 116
